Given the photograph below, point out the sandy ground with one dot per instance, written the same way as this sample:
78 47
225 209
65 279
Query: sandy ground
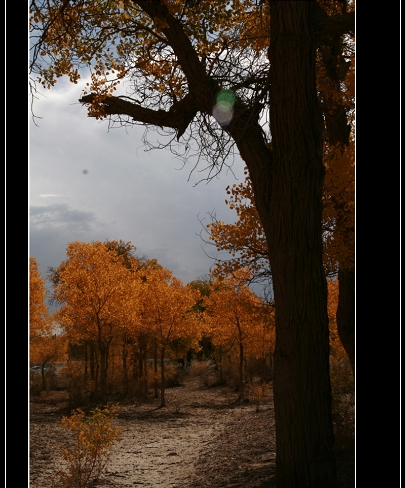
202 439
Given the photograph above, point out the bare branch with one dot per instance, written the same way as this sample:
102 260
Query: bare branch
178 117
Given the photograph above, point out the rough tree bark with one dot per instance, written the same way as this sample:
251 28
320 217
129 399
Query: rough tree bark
287 184
304 434
292 223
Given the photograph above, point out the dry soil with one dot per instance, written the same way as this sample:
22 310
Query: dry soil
204 438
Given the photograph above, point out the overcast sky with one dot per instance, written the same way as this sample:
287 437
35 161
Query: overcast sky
88 183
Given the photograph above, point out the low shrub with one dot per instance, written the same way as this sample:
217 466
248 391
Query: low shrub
258 393
93 438
205 370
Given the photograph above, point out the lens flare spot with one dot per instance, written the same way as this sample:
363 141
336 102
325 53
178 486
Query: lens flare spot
223 109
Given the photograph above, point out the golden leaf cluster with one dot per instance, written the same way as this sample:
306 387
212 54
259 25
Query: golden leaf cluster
118 40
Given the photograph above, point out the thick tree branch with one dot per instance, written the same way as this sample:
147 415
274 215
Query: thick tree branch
178 117
327 26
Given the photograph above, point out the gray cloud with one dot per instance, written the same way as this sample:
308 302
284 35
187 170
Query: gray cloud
125 193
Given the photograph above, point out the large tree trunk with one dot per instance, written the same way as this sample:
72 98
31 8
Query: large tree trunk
287 185
293 226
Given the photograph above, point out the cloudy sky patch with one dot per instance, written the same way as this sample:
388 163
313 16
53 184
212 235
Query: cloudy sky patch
60 215
114 188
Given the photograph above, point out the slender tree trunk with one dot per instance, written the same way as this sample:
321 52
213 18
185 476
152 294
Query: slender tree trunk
155 360
86 359
162 378
125 368
140 373
241 385
134 371
287 185
271 364
145 375
263 369
96 379
43 376
103 374
247 370
221 372
92 362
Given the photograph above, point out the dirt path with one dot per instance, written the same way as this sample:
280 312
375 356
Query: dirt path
202 439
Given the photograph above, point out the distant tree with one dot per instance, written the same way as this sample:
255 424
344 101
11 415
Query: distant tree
40 321
234 315
46 346
94 289
167 316
49 350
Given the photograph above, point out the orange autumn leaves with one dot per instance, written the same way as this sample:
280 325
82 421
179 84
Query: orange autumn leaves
339 207
95 287
245 239
337 351
103 294
235 315
118 40
237 321
45 345
39 317
107 296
